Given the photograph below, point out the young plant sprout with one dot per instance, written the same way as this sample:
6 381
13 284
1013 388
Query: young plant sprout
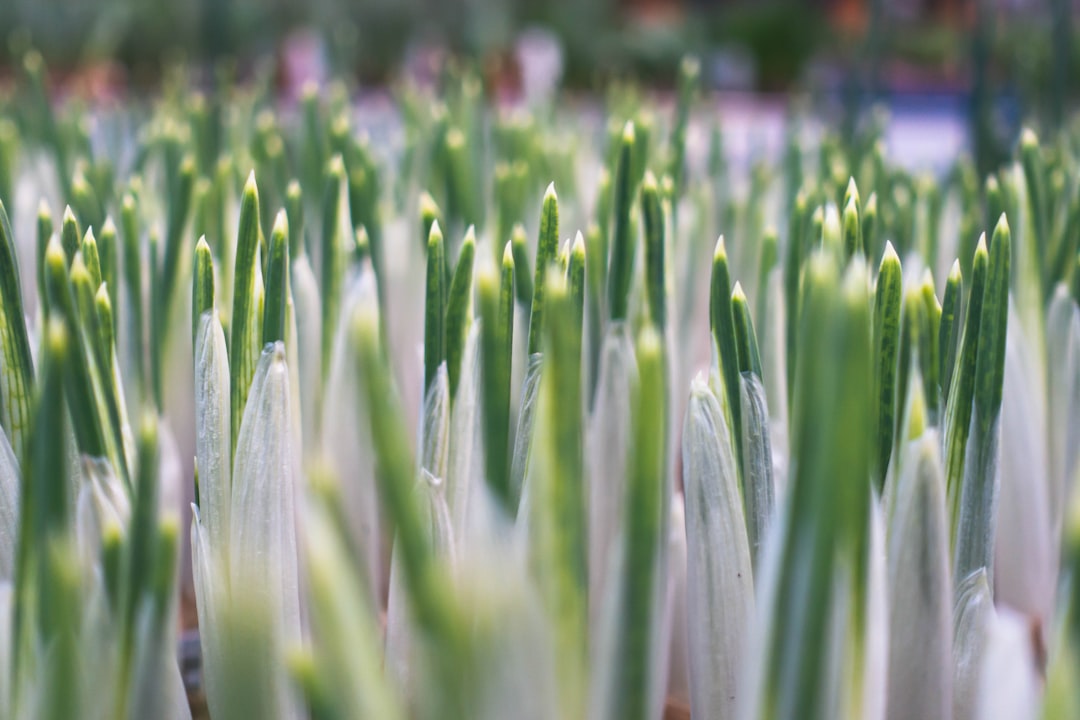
497 420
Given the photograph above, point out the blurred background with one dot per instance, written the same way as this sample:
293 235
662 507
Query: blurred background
972 69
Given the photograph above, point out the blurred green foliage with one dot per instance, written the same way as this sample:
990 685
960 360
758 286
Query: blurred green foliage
370 39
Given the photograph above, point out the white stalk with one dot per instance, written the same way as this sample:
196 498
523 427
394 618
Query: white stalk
307 311
606 452
262 550
9 507
973 613
1010 685
346 442
920 589
213 443
1025 552
720 589
465 478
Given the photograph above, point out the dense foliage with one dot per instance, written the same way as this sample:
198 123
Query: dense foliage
457 446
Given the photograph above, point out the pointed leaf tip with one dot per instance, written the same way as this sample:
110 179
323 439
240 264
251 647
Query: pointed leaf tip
281 223
737 294
336 167
720 252
1002 224
54 253
889 254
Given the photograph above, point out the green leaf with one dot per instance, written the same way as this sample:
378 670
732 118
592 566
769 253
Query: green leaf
177 213
95 341
363 196
70 234
510 181
347 659
990 354
459 310
557 517
869 227
962 389
143 531
595 277
396 480
89 252
43 498
242 351
827 524
202 293
769 259
522 268
886 350
429 215
908 367
44 234
110 260
746 344
793 260
434 307
929 348
575 280
86 203
949 330
643 532
294 210
652 212
133 280
333 255
86 420
605 197
277 282
852 227
759 499
975 514
546 249
624 243
495 292
1038 203
688 83
17 373
722 320
831 231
